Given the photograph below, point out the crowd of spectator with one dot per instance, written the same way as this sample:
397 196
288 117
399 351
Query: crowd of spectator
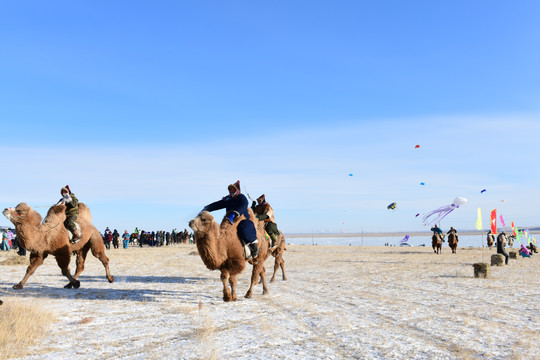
149 238
8 239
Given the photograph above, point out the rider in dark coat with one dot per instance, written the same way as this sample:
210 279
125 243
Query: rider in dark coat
236 204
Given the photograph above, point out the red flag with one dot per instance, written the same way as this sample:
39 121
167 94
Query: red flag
494 221
513 228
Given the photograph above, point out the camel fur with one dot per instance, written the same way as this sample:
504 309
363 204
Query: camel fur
436 243
220 249
51 237
453 240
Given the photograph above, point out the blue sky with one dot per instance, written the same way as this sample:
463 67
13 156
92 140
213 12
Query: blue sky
149 110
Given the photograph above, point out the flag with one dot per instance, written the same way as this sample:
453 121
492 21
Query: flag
479 220
502 221
494 221
513 228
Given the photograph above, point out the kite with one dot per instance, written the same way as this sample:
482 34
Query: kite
422 183
502 221
483 191
392 206
417 215
443 211
350 174
405 239
417 147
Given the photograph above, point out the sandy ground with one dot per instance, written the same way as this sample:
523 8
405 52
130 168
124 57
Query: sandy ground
339 302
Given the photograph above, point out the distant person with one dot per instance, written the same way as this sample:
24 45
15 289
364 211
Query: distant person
524 251
115 237
501 243
125 238
107 238
5 244
436 230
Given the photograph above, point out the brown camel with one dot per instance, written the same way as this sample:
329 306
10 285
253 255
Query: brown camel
221 249
436 243
490 239
278 255
452 240
51 237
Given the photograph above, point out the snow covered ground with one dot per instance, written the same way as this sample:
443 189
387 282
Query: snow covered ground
339 302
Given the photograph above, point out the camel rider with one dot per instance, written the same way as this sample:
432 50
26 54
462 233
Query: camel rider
236 204
72 212
264 212
436 230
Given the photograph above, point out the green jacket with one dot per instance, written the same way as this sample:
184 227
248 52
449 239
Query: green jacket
72 207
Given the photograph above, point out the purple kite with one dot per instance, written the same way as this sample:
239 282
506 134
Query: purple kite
443 211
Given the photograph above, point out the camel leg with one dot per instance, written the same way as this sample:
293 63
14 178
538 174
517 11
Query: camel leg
254 279
98 250
227 296
81 258
233 280
262 271
276 267
35 261
282 265
63 262
258 272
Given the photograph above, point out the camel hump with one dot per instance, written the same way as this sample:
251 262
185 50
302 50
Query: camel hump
84 212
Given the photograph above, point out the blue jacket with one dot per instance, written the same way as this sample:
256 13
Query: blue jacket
238 203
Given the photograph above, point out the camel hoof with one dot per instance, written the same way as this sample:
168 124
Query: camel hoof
18 286
272 280
111 279
248 296
69 286
77 284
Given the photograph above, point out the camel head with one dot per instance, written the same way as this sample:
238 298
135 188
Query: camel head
204 222
22 213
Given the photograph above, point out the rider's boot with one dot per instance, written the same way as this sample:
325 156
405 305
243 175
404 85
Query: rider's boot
254 249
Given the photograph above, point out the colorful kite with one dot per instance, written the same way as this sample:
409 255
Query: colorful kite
417 147
392 206
483 191
422 183
405 239
417 215
441 212
502 221
350 174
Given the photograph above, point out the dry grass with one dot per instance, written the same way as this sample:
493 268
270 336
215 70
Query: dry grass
21 326
13 259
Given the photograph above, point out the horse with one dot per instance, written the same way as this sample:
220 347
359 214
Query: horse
452 240
436 243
